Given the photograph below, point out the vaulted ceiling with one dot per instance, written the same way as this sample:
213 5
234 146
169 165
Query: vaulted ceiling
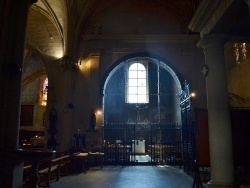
48 25
55 26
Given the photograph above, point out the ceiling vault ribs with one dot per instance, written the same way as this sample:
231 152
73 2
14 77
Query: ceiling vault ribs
77 12
83 15
70 20
54 18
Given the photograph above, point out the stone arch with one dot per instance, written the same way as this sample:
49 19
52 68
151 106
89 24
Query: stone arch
172 114
166 63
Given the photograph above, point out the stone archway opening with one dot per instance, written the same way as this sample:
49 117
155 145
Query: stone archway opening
146 129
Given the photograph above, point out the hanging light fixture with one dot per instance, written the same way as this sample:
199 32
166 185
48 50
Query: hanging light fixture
67 63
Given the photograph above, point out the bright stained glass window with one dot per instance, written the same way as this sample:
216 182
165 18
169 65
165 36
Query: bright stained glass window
240 50
45 92
237 53
244 51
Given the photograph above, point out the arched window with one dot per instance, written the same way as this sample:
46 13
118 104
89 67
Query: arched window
137 85
44 92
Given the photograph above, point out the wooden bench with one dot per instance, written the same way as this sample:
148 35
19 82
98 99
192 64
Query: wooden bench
26 172
48 168
80 162
66 165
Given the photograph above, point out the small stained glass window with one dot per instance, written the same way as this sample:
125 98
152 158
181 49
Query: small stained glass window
237 53
44 92
240 51
244 51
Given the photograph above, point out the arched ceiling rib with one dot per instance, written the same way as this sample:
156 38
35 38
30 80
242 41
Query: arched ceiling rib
55 17
65 20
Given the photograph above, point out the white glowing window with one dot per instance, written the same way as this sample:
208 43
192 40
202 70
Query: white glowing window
137 84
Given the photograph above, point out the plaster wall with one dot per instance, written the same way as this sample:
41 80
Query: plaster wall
239 80
178 52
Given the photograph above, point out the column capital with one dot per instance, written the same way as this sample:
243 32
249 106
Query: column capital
209 40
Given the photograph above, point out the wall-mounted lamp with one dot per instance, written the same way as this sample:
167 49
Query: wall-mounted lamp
68 64
99 112
193 94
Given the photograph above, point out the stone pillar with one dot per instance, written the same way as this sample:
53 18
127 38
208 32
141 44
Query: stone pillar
13 19
248 3
220 138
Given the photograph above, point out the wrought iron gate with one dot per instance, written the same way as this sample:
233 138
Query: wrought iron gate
118 143
188 131
165 143
162 141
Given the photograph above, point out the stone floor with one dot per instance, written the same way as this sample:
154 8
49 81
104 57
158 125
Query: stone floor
127 177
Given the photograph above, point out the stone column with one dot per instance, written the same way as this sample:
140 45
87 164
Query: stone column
220 139
13 19
248 3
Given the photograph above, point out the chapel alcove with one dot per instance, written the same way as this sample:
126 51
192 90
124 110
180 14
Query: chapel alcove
142 112
33 102
163 95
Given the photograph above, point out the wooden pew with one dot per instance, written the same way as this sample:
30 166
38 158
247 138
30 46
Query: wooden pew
80 162
26 172
67 163
48 168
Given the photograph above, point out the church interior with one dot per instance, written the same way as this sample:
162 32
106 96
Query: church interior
125 82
